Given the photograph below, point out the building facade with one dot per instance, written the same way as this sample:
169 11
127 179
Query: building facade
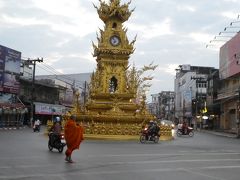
162 105
154 107
213 104
229 92
191 94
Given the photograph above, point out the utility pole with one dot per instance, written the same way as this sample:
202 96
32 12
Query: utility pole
33 62
84 97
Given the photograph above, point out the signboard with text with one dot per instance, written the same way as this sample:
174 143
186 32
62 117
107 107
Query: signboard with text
49 109
9 69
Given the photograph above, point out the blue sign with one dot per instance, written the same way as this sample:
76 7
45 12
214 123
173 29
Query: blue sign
9 69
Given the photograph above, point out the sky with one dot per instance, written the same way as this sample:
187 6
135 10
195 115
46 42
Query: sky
169 33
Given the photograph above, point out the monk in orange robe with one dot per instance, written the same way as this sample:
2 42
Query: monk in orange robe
73 133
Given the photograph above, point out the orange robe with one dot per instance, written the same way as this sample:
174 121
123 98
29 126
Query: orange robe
73 135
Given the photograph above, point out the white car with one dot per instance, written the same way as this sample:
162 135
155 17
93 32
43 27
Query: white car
167 123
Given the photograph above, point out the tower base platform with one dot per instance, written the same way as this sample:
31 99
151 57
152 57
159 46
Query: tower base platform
120 137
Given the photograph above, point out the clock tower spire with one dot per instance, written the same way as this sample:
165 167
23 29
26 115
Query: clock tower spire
113 49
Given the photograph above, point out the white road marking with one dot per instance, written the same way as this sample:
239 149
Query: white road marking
128 162
174 161
202 174
79 172
173 154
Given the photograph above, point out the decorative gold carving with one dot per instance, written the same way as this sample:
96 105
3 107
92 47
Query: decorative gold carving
113 129
114 9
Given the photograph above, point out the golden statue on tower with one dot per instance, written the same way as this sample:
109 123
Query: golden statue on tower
113 107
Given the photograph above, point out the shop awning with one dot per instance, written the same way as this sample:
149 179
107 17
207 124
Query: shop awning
12 105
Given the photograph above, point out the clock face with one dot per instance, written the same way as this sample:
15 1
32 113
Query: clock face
115 40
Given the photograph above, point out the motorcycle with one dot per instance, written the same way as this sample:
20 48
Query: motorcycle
147 136
56 141
36 128
188 132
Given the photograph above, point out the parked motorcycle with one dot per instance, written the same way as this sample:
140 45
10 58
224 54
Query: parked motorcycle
147 136
189 132
56 141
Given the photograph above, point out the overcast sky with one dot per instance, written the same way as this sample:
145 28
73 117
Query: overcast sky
169 33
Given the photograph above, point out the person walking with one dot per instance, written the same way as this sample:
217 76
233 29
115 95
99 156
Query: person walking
73 133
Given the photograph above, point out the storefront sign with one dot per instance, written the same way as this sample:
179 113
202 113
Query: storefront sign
49 109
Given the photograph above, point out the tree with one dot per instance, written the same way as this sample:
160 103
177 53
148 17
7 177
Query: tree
138 83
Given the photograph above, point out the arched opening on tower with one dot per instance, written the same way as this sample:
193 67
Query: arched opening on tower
113 84
114 25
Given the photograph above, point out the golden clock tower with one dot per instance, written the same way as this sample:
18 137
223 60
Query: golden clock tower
112 52
111 107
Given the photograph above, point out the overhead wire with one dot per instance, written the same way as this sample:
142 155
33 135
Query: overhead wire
53 71
65 76
60 76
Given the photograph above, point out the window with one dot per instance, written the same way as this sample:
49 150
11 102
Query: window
113 85
114 25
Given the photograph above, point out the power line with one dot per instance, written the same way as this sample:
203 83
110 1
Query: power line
64 78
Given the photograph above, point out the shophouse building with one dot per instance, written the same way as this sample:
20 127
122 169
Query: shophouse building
229 92
190 89
63 87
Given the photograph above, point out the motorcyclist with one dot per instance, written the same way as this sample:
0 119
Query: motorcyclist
184 127
56 131
36 125
152 128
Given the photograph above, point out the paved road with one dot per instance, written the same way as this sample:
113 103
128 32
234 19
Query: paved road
24 155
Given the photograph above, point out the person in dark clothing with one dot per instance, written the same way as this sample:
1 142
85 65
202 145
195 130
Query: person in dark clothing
153 128
56 131
184 127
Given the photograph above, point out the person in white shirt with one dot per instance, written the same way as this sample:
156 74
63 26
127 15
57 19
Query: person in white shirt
36 126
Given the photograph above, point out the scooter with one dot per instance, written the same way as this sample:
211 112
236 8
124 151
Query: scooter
36 128
146 136
189 132
56 141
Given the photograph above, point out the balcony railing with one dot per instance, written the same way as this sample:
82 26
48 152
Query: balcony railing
228 92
